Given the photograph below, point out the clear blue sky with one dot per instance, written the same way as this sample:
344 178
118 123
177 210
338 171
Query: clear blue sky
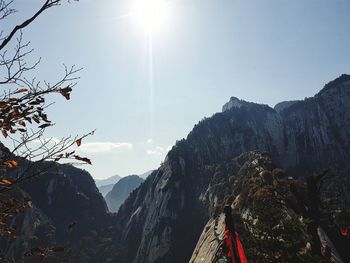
209 50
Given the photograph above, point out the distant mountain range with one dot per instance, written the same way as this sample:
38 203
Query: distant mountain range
110 180
106 185
121 190
105 189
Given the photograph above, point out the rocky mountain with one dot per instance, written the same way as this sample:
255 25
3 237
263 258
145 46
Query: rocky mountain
279 107
262 161
67 194
162 220
65 207
121 190
105 189
110 180
106 185
267 202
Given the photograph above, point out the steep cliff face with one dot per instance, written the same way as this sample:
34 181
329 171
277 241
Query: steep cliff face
34 229
66 194
272 214
65 208
279 107
162 220
156 216
304 134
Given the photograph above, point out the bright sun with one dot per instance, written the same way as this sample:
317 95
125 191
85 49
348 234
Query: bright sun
151 15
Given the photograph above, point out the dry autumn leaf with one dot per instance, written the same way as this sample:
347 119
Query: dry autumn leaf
66 92
4 107
4 133
5 182
78 142
11 164
22 123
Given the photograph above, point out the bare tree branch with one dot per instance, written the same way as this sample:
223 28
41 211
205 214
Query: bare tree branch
46 5
5 9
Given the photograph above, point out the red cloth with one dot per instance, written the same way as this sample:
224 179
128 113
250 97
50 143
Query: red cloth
229 242
240 250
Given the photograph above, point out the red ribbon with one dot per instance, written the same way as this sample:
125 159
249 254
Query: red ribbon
229 242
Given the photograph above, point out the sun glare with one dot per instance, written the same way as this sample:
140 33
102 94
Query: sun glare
151 15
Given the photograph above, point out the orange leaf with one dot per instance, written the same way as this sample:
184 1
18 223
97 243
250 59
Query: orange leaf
78 142
5 182
4 106
11 164
21 122
12 100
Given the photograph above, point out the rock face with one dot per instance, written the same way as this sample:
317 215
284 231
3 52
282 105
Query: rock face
209 241
35 229
271 204
67 194
121 190
66 207
162 220
279 107
233 103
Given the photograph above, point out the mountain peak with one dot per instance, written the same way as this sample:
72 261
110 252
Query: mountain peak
110 180
121 191
234 102
341 81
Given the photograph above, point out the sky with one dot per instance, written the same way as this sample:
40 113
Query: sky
142 91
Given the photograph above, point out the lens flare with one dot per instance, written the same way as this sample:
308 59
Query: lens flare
151 15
